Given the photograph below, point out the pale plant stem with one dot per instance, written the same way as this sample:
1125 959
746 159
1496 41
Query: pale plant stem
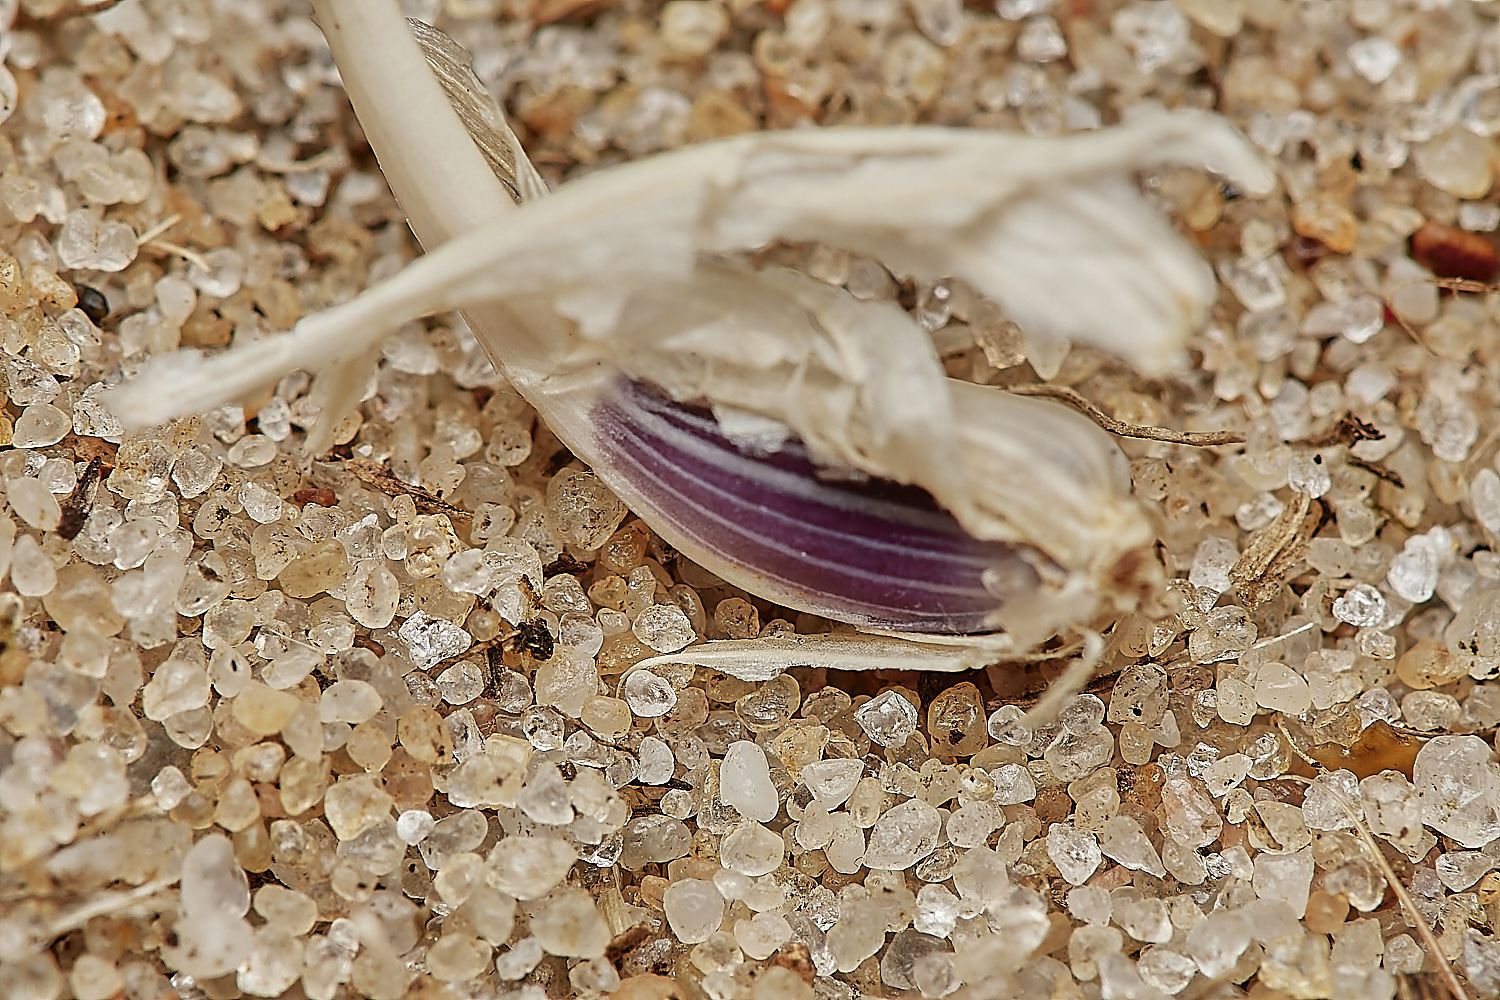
1367 840
105 903
1419 922
158 230
1271 640
433 167
437 174
191 256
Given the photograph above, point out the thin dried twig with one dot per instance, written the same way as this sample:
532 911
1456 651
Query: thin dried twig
1379 471
477 650
1270 640
191 256
1198 439
1404 325
1479 454
1351 430
1408 905
1042 655
1099 682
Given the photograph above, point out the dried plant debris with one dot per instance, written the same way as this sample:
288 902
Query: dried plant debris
1201 439
1273 552
429 709
483 120
381 478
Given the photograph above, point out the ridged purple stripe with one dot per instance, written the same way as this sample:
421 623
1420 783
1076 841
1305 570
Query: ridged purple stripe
884 551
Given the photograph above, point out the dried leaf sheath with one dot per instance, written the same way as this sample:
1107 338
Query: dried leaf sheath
482 119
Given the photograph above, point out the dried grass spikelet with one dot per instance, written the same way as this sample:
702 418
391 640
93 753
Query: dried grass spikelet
621 277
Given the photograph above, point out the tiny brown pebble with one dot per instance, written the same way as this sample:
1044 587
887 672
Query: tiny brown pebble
794 955
270 801
13 663
782 104
120 116
321 496
93 303
1059 930
1453 253
553 116
365 642
1326 219
1114 877
717 115
1052 805
484 713
428 988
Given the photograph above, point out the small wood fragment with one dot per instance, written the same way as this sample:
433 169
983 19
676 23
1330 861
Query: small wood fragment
1349 430
1414 916
1274 551
77 504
